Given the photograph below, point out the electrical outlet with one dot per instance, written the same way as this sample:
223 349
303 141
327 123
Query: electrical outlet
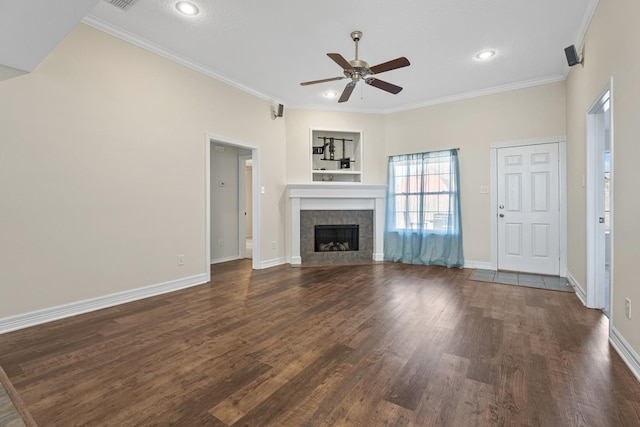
180 260
273 244
220 242
627 308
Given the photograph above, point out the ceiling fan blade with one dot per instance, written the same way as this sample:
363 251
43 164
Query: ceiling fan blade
390 65
339 59
346 93
313 82
380 84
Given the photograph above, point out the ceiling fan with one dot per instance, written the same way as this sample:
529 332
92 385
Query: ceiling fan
357 70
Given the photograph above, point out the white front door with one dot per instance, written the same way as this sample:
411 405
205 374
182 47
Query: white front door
529 209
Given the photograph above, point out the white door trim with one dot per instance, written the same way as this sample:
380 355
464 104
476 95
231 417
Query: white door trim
242 205
211 138
595 242
493 182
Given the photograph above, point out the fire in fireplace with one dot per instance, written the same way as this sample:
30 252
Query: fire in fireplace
337 237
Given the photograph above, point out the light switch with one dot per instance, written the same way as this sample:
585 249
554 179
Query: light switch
261 190
484 189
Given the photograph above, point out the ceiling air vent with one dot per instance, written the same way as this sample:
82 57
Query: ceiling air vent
122 4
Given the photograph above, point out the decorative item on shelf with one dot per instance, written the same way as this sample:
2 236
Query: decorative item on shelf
330 146
336 156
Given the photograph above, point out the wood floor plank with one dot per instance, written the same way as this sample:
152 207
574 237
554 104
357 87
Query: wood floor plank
476 405
385 344
279 403
412 381
438 407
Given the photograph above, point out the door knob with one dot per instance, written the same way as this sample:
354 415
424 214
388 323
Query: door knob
501 215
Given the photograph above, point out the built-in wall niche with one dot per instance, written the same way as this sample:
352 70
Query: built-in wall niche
336 156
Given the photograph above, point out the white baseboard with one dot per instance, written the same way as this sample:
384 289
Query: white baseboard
626 352
580 292
225 259
295 260
25 320
268 263
378 257
477 264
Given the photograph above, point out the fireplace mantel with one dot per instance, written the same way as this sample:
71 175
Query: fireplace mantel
337 197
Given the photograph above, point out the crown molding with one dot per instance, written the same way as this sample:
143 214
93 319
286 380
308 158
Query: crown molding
444 100
478 93
122 34
586 21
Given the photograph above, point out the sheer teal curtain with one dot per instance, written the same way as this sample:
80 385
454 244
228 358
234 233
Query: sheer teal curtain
423 223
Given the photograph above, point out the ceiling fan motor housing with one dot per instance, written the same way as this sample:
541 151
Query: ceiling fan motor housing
360 70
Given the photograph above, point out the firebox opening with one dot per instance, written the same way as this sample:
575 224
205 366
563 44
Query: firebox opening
337 237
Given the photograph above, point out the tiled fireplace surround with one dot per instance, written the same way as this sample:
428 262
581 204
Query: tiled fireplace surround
350 203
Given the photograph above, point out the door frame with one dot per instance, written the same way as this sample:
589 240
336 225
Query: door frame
210 139
242 206
596 250
562 194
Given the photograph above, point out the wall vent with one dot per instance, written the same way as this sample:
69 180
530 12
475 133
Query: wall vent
122 4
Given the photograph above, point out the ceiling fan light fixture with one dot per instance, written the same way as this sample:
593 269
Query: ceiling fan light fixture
187 8
330 94
485 54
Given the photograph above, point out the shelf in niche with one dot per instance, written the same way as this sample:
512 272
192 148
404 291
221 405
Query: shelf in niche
337 172
330 149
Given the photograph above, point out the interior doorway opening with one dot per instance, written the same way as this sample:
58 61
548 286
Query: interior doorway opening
228 196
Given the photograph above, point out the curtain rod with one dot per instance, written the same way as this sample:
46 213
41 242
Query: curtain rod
435 151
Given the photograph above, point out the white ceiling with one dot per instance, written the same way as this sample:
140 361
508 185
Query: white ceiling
30 29
269 47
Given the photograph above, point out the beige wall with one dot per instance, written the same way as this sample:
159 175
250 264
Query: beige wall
473 125
299 150
102 171
610 50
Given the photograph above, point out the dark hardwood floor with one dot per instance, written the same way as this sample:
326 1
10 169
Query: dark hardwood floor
371 345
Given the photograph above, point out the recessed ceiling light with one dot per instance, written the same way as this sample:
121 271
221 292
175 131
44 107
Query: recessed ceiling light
331 94
485 54
187 8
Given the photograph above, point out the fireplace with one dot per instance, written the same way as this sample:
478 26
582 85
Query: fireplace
336 204
336 237
331 237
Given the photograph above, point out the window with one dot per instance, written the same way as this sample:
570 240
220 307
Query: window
423 223
423 191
